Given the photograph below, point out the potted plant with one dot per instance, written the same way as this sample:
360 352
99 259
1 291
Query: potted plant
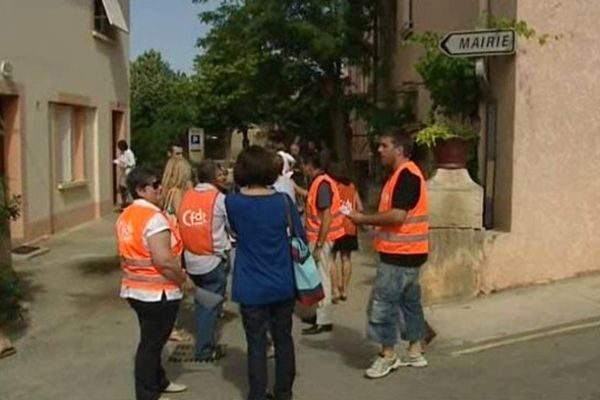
449 140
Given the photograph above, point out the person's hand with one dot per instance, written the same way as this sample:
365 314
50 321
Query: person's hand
188 286
356 217
317 254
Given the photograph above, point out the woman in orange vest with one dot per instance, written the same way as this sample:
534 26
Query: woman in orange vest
153 280
348 243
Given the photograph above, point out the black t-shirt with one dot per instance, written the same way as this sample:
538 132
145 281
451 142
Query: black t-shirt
406 196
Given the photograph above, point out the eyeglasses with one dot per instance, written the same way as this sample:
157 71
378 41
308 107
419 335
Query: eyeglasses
155 185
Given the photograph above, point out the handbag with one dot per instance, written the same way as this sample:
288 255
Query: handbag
309 290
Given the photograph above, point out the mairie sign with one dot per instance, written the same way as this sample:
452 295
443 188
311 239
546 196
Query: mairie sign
479 43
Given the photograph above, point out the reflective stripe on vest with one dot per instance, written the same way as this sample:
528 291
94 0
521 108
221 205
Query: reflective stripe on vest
195 217
139 272
348 197
412 236
313 215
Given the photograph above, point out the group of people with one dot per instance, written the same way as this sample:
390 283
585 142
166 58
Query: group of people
182 231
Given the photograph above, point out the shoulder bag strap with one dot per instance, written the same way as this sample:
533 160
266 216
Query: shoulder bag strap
288 213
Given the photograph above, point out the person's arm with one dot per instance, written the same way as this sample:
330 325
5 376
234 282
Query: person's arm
394 216
298 225
404 198
359 204
300 191
159 245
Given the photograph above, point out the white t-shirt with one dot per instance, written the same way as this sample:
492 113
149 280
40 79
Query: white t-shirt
158 223
126 161
285 184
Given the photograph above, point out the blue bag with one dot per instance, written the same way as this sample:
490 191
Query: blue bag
309 290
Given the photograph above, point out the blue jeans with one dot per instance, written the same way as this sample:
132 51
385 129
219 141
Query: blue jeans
396 296
277 319
206 319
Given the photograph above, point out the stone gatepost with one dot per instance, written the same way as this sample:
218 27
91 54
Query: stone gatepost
456 236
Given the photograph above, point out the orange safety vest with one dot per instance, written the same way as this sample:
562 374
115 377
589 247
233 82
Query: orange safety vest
139 272
314 217
412 236
196 220
348 197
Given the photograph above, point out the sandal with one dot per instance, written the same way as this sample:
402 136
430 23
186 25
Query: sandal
180 335
7 352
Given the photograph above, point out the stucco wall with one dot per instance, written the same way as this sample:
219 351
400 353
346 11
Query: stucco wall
57 59
554 226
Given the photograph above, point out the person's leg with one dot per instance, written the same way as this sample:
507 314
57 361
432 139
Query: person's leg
324 309
206 319
412 310
285 362
383 319
346 272
334 274
156 321
256 325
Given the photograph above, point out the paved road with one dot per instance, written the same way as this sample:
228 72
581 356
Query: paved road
81 337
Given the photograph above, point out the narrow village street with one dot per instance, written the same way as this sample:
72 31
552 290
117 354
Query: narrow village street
80 340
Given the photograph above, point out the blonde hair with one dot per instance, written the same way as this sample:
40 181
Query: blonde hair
177 178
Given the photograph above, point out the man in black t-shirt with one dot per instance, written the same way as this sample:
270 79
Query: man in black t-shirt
401 240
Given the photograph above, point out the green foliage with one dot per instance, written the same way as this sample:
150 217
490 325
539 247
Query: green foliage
279 63
444 129
10 207
521 28
451 82
162 108
10 308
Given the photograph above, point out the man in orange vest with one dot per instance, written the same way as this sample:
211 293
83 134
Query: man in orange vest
401 238
324 224
202 219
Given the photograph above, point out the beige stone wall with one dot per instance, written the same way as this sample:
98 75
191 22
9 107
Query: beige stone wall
555 192
57 59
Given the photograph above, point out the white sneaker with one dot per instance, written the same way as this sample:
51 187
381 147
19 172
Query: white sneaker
410 361
175 388
382 366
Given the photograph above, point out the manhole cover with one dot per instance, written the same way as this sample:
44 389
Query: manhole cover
25 249
183 352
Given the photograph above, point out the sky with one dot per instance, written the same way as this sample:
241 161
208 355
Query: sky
169 26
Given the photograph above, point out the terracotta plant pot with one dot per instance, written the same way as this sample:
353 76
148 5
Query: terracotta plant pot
451 153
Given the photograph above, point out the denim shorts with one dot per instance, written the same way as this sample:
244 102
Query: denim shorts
395 306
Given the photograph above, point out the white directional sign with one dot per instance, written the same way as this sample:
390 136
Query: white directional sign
479 43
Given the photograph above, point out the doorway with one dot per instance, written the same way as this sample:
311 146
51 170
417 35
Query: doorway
118 120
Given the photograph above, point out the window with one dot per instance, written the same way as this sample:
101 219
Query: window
407 18
108 16
69 128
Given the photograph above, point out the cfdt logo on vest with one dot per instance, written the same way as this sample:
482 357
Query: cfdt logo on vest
194 218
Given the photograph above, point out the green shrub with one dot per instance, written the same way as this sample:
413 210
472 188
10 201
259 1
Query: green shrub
10 295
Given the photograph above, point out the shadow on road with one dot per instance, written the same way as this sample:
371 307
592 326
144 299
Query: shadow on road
354 349
99 266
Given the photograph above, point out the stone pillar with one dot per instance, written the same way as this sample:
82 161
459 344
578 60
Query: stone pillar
455 201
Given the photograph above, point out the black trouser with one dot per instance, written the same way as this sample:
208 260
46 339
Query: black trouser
156 322
276 318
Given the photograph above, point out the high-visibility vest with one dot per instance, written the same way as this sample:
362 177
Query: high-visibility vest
348 197
412 236
314 217
139 272
195 218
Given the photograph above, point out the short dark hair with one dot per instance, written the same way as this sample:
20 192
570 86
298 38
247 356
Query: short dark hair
338 171
140 177
400 138
206 171
255 166
314 160
122 145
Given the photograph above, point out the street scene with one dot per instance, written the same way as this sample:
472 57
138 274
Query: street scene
285 199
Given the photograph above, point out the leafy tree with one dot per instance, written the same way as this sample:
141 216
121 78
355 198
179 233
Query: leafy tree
283 62
163 107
